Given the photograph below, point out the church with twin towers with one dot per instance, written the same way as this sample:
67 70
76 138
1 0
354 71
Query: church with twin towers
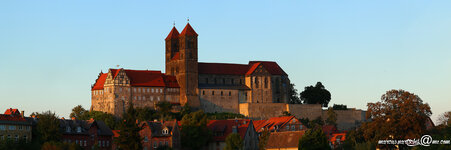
211 87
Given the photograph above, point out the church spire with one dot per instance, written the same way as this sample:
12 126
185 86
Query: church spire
188 31
174 34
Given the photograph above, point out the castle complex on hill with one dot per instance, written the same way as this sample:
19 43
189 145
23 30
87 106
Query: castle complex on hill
259 89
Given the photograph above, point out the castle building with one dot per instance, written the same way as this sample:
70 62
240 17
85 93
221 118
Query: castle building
212 87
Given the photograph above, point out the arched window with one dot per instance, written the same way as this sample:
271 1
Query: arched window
78 129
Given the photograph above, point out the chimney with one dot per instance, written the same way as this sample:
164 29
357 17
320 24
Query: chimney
22 113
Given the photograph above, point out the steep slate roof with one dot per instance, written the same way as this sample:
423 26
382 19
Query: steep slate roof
287 139
157 127
239 69
272 122
174 34
143 78
188 31
100 82
85 125
226 127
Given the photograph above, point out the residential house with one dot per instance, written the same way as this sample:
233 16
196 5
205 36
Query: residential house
160 134
14 126
287 140
222 128
279 124
87 133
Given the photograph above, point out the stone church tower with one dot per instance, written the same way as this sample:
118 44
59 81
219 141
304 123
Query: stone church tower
181 61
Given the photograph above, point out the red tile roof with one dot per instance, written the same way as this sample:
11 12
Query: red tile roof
272 67
226 127
145 78
11 111
222 68
188 31
174 34
116 133
100 82
272 122
239 69
9 117
335 136
252 68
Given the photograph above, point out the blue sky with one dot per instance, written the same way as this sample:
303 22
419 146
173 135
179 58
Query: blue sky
52 51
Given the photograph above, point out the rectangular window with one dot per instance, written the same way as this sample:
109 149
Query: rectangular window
20 128
16 138
12 127
2 127
212 92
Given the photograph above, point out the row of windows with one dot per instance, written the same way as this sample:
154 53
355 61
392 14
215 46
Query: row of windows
144 98
222 93
78 129
222 81
14 127
293 127
84 142
146 90
16 137
156 144
138 90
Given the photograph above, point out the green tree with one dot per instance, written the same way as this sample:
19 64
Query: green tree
129 138
78 112
109 119
294 96
146 113
234 142
316 95
314 139
195 133
331 117
399 115
340 107
164 107
445 118
263 139
48 126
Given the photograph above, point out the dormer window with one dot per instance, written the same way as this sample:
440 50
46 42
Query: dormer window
78 129
165 131
67 129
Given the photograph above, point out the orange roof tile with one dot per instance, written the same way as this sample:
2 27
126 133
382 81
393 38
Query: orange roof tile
144 78
174 34
11 111
272 122
222 68
188 31
100 82
239 69
226 127
272 67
